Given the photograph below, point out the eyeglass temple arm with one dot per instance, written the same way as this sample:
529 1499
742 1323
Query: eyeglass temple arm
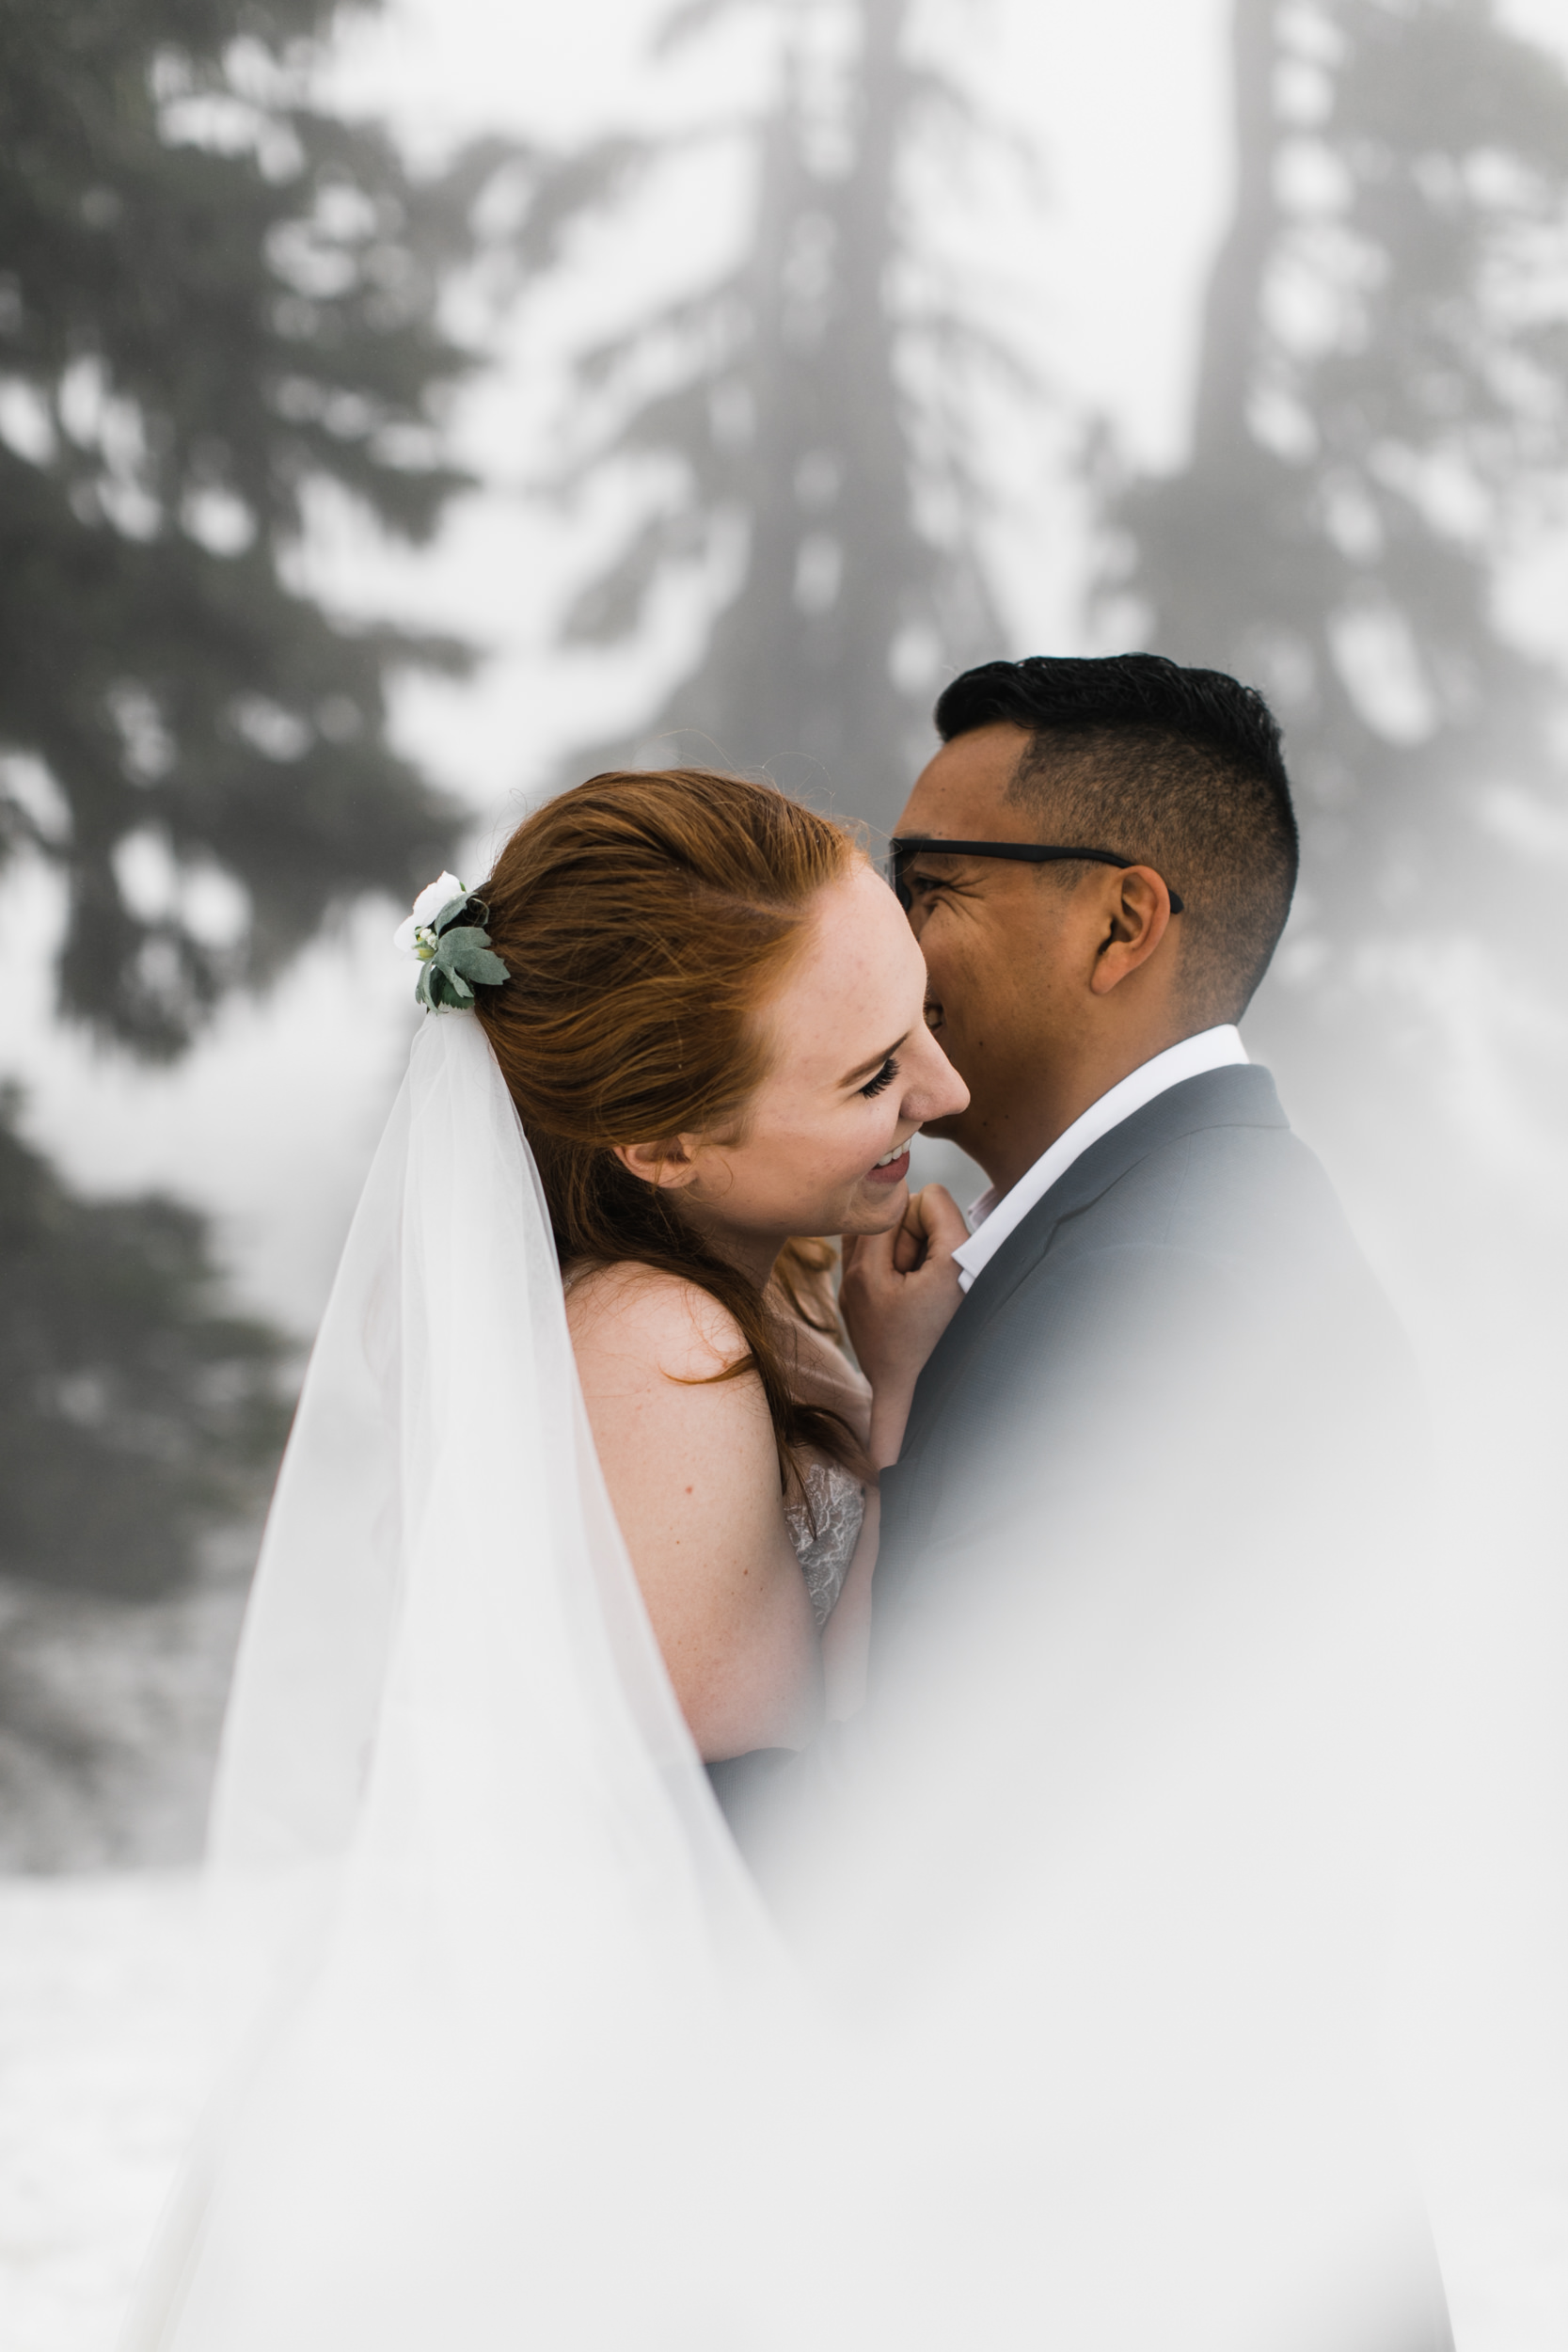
1023 852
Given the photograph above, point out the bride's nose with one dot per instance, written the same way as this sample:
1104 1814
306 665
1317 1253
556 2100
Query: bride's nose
935 1089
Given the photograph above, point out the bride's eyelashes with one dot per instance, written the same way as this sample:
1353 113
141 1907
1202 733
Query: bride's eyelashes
884 1078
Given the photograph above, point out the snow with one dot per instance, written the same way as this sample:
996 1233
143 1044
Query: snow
100 2061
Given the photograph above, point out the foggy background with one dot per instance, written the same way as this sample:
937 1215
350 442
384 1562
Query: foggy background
396 428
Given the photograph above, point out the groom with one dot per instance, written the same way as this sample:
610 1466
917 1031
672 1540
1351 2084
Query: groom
1136 1652
1097 865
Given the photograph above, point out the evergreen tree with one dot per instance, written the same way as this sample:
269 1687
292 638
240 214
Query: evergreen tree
1382 394
216 303
136 1410
810 403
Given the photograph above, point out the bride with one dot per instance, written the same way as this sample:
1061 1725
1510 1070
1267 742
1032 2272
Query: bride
713 1032
580 1495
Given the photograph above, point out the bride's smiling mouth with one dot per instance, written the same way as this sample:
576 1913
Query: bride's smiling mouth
892 1166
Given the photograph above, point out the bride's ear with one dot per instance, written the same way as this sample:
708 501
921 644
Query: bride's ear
669 1165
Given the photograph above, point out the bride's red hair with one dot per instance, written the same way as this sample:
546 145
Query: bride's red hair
645 917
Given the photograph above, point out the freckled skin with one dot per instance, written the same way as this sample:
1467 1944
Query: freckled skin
805 1158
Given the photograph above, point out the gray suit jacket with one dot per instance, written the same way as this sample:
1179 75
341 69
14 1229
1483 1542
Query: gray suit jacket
1183 1323
1141 1639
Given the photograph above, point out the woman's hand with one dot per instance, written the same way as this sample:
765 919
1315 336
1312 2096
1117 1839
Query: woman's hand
899 1293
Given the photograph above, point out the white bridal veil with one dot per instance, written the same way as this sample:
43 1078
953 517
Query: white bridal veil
470 1885
513 2057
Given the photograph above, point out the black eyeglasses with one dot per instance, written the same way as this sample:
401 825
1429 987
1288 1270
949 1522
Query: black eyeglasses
904 847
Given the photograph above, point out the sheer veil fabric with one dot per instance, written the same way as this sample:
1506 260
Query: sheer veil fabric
516 2058
477 1915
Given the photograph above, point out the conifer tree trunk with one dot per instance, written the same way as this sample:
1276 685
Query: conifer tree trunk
798 675
1233 302
822 666
1361 452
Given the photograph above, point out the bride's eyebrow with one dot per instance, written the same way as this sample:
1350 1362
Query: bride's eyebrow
867 1068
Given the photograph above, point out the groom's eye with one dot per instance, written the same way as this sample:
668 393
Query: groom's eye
884 1078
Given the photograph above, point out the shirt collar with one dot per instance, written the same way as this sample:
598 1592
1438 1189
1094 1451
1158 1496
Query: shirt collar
994 1218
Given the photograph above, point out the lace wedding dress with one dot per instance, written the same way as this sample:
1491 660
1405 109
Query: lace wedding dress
825 1527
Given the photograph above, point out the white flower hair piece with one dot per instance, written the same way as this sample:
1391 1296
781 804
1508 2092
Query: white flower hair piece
445 932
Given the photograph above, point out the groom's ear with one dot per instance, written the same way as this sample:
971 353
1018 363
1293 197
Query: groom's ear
670 1165
1135 913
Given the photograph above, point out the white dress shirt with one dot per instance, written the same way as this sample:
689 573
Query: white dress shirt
991 1219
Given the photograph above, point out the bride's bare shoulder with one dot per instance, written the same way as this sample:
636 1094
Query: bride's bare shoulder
632 1313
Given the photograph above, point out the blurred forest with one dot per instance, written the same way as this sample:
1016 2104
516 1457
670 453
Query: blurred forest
809 409
1381 422
226 315
217 306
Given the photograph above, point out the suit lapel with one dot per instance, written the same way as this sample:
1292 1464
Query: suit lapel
1240 1095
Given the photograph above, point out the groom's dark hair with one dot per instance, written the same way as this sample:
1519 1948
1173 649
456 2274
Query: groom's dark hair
1177 769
